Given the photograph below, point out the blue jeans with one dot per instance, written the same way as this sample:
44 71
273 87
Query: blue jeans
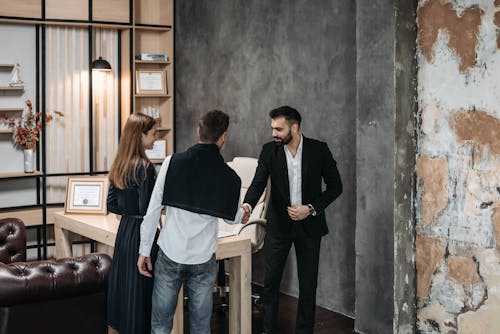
168 277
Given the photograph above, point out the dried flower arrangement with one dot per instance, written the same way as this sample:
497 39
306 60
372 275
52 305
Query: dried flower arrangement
27 130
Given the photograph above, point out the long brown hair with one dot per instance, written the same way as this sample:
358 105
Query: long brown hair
131 151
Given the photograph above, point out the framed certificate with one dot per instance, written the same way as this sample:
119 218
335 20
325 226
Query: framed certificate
86 194
159 150
151 82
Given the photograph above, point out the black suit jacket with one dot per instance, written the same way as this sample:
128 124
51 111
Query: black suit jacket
317 165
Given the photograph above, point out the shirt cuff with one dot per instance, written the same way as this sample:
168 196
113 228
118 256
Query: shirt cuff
312 210
248 206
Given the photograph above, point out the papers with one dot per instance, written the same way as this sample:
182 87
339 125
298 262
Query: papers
223 234
227 230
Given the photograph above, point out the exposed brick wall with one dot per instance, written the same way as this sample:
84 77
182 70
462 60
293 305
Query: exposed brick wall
458 166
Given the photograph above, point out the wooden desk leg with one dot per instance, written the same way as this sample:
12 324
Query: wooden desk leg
240 298
178 327
63 243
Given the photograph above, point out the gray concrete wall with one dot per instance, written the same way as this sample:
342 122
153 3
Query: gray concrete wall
404 174
375 113
247 57
385 153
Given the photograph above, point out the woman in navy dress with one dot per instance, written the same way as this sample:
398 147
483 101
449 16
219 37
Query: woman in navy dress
132 177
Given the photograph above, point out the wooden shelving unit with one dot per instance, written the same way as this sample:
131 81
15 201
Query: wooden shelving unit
11 109
15 175
7 131
153 95
30 217
159 62
146 26
8 88
154 33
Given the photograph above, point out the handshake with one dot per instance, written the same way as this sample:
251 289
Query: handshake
248 211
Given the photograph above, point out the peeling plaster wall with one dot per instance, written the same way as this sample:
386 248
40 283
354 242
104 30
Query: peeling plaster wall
458 167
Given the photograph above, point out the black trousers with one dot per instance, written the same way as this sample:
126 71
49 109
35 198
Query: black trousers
307 253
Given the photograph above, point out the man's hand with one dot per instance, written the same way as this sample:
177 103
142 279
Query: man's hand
298 212
144 265
247 214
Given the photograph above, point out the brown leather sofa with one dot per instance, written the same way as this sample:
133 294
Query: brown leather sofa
62 296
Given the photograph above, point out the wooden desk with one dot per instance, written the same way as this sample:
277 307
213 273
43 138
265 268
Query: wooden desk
235 248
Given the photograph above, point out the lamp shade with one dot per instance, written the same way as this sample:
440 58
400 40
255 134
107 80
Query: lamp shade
101 65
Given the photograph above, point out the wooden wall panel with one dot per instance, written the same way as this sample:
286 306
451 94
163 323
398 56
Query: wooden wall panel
126 78
111 10
67 9
25 8
157 12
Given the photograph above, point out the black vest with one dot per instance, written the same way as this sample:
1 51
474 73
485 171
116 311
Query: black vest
198 180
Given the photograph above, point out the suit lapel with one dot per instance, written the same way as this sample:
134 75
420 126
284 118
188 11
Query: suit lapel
283 171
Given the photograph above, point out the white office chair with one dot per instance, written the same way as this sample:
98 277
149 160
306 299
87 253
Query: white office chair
255 229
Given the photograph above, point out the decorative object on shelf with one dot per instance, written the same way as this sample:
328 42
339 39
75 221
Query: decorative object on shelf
151 82
101 64
29 160
16 80
151 57
86 194
151 112
27 134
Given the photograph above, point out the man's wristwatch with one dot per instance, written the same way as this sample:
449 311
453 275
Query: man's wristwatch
312 212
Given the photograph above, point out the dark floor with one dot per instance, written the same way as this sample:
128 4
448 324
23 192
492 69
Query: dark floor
327 322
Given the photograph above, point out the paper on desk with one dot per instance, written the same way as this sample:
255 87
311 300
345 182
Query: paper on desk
227 230
223 234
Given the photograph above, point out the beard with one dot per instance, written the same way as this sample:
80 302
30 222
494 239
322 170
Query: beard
283 141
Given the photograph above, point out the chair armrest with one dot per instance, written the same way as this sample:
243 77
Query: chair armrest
260 235
26 282
258 221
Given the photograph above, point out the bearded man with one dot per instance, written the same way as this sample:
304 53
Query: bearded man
297 165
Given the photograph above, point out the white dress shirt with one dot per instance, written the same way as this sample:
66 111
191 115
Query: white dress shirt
294 165
186 237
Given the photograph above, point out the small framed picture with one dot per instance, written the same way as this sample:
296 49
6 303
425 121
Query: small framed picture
159 150
151 82
86 194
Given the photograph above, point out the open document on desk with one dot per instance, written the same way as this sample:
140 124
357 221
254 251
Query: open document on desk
227 230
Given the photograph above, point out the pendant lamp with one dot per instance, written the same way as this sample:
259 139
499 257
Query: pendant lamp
100 64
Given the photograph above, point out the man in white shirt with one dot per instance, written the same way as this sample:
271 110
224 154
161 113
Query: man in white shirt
197 187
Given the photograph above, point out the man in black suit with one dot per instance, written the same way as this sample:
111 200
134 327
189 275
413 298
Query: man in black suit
296 165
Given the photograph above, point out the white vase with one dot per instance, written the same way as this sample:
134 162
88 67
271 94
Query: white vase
29 160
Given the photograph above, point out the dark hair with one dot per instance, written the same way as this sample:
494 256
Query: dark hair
291 115
212 125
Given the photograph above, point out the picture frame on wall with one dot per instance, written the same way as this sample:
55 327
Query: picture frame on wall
158 152
86 194
151 82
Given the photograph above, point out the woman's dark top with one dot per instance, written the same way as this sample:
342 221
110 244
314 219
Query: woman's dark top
129 293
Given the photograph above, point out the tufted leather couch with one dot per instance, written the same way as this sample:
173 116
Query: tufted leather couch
62 296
